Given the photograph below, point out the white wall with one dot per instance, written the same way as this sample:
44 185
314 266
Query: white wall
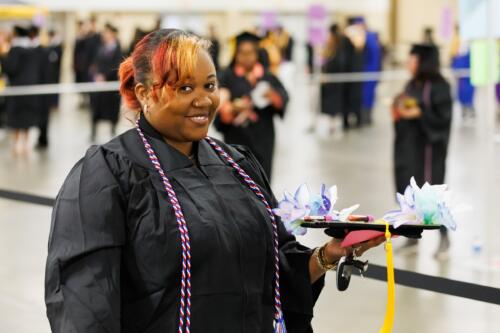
212 5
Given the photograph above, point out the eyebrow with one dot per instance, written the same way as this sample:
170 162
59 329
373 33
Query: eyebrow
211 76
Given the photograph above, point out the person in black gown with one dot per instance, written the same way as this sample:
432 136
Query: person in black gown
106 105
251 98
422 126
332 93
20 62
115 255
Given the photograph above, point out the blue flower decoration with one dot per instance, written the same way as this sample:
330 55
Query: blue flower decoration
427 205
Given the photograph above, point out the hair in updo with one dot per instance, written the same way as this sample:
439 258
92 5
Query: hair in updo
161 58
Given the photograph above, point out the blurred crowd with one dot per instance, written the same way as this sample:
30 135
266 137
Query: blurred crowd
27 60
353 48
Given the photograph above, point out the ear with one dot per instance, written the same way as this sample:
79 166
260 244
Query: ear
142 93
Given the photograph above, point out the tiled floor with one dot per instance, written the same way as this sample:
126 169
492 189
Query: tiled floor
359 163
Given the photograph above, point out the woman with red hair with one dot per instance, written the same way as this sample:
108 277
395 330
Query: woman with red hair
163 229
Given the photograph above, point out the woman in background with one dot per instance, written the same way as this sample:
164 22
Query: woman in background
106 105
250 98
422 119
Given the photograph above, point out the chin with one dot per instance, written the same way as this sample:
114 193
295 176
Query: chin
197 135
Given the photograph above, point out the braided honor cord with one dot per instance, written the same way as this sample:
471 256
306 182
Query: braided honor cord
279 324
185 304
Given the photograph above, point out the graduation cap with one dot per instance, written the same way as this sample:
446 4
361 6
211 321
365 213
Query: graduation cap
425 52
20 31
246 37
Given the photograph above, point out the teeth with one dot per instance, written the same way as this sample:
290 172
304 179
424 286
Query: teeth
200 118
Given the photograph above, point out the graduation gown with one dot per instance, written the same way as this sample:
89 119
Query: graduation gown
465 89
353 91
114 258
22 67
332 93
106 105
258 136
421 145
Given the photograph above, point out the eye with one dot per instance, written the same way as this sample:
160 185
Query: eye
185 89
211 86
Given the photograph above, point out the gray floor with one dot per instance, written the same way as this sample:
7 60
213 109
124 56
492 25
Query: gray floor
359 163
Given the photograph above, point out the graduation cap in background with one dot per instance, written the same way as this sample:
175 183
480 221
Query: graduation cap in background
246 37
242 37
20 31
425 52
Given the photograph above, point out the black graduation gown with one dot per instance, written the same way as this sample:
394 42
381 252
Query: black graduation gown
54 54
114 249
353 90
22 67
106 105
42 55
258 136
80 63
333 93
421 145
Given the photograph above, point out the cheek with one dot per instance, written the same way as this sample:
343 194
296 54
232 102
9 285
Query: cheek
215 98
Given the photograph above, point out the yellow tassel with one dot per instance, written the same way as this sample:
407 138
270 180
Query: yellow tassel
391 296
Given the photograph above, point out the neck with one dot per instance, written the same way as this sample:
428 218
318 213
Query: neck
186 148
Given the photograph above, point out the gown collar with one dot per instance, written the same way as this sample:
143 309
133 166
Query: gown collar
171 159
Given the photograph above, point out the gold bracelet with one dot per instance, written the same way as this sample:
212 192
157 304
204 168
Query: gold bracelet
322 262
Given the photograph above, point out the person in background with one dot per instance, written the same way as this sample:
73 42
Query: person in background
422 120
92 44
285 43
372 62
353 45
55 51
106 105
215 45
250 98
428 36
41 60
273 52
19 63
333 93
79 60
460 60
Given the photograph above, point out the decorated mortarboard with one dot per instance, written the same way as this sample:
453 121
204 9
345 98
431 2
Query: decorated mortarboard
420 208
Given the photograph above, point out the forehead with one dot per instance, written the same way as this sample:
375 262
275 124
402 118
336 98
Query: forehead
247 46
203 67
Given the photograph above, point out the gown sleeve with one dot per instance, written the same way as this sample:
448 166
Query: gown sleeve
82 281
436 118
281 92
11 61
298 295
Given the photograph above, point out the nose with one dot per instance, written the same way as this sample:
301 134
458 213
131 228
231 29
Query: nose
202 101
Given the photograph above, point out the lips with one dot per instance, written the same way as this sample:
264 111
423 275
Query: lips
199 119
